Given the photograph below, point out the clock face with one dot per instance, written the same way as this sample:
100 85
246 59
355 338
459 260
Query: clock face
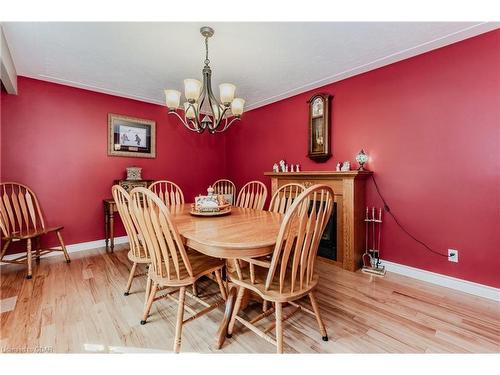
317 107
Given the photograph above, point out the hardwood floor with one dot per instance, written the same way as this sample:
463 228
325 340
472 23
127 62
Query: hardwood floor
80 307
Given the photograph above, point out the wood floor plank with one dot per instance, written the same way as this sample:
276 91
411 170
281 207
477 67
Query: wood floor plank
80 307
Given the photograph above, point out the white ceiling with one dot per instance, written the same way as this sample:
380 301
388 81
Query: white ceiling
266 61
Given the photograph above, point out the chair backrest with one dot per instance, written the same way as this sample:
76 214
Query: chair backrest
160 236
284 197
170 193
122 201
252 195
19 209
225 187
294 256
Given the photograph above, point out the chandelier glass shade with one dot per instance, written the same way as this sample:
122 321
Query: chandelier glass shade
202 110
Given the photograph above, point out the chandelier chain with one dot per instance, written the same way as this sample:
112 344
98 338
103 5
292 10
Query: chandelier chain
207 60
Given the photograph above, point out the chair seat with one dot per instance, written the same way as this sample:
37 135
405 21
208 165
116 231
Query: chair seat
143 258
272 294
201 265
31 233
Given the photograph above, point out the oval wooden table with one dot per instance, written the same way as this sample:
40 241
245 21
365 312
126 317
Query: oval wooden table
244 233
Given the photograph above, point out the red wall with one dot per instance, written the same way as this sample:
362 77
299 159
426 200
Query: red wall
54 139
430 125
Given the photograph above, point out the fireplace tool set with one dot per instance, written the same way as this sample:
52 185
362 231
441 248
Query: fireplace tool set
371 257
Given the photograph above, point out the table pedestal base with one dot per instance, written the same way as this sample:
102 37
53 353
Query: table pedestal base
222 332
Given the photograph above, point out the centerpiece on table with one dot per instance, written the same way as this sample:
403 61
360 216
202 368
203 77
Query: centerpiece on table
210 204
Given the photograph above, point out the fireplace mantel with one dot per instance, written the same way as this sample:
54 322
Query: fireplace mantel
349 190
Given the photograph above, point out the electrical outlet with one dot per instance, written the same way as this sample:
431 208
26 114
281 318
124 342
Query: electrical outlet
453 255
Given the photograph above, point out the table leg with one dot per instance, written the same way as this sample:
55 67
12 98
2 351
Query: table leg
106 226
111 230
221 333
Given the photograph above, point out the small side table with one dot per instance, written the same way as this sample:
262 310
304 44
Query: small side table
110 209
109 213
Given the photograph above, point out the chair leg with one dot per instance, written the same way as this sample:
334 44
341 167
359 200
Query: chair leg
59 236
130 278
222 288
237 305
321 325
37 249
148 291
28 256
180 318
147 308
4 249
279 327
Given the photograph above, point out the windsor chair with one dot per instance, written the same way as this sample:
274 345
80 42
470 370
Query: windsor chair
225 187
284 197
169 192
137 253
252 195
291 274
21 219
172 264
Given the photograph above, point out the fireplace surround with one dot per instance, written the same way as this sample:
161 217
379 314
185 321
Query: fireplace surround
349 190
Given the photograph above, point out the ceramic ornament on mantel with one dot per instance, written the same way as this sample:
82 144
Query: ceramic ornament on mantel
346 166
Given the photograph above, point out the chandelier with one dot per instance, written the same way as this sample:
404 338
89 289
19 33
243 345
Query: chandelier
202 111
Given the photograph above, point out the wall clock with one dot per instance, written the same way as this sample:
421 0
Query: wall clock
319 127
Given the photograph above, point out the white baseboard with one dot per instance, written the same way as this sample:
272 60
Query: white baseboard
75 248
443 280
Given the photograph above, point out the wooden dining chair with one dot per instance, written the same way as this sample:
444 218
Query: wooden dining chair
137 253
284 197
252 195
169 193
21 219
172 264
225 187
291 273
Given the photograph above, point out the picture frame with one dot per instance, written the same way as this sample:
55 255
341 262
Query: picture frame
319 127
131 136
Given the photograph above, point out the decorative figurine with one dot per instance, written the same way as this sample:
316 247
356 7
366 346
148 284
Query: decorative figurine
291 168
346 166
361 158
338 168
286 167
276 168
282 165
297 167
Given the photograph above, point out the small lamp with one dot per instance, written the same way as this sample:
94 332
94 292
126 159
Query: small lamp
361 158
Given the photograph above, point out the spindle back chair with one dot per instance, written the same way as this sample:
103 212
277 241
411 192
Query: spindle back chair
172 264
252 195
21 218
137 253
284 197
169 192
291 274
224 186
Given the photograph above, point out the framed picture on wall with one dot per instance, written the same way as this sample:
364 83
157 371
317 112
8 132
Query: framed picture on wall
131 137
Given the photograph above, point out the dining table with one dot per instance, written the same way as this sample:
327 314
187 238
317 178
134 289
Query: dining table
240 233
